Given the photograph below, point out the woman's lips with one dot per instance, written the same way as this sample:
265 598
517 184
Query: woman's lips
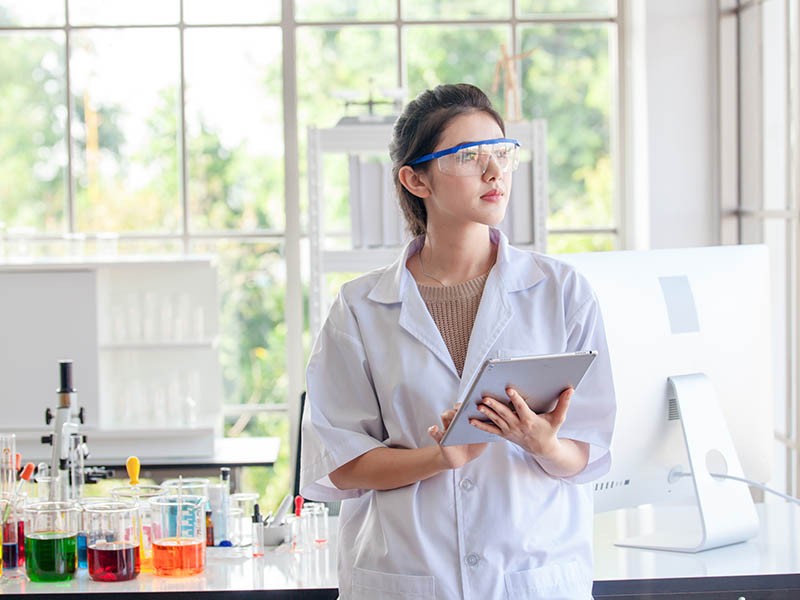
492 196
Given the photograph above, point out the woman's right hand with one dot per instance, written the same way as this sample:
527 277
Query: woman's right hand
454 456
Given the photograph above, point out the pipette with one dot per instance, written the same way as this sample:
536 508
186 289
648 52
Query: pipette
23 477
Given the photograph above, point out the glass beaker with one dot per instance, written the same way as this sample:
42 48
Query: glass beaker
82 543
112 540
140 495
241 517
189 486
179 534
51 532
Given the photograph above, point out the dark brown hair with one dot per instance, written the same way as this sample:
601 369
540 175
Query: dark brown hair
417 132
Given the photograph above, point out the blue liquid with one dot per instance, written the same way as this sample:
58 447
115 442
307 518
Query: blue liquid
82 561
10 555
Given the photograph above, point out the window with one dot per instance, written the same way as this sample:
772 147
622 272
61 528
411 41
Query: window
180 126
759 167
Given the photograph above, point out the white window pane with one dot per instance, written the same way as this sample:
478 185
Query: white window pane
234 122
125 129
452 54
566 79
231 11
355 10
33 117
123 12
574 7
25 13
456 9
339 66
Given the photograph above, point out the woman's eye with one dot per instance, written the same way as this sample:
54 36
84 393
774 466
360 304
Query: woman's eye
466 157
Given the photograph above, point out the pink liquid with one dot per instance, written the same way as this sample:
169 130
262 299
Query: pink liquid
112 561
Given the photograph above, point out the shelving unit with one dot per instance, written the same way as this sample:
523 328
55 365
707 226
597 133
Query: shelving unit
141 333
525 222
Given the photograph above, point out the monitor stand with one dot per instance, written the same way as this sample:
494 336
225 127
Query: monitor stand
726 510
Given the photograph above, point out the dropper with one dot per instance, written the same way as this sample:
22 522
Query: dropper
133 466
26 474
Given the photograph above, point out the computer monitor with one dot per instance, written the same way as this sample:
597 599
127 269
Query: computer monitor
686 326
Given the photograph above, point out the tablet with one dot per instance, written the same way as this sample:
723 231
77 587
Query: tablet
539 379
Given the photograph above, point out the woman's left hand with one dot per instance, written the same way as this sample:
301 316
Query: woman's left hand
534 433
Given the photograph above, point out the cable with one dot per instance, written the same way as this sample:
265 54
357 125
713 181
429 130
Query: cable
749 482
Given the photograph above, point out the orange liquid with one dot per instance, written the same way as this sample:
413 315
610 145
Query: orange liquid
175 557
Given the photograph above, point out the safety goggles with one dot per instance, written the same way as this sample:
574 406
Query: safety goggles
473 158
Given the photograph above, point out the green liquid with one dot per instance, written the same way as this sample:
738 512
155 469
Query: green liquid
50 556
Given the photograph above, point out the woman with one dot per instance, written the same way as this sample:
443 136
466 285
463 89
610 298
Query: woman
507 519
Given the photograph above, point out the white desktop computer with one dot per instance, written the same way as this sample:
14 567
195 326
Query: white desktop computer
689 340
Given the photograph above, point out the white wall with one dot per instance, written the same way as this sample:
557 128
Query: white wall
672 91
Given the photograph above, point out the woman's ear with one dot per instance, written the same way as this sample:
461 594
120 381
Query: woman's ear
414 182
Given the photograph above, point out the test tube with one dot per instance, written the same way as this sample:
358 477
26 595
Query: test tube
8 471
8 513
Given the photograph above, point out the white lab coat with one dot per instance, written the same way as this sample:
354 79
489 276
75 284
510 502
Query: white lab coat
380 375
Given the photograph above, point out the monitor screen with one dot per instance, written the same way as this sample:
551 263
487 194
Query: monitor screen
678 312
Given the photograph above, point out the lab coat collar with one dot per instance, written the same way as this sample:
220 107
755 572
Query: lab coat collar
517 270
514 270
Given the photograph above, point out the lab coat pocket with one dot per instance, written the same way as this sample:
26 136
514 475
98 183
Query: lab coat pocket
369 585
556 581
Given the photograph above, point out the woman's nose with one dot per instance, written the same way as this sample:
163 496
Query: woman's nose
493 170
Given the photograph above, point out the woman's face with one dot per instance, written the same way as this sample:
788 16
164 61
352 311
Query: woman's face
463 200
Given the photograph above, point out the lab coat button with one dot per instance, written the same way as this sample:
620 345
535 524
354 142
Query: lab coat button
472 559
466 485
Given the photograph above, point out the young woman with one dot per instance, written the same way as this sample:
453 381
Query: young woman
507 519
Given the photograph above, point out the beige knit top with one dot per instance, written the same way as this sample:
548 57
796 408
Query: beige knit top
453 309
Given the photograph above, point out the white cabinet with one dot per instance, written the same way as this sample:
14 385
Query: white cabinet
142 334
372 240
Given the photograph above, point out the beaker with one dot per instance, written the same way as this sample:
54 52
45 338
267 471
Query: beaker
82 542
179 534
140 495
241 519
51 532
190 486
112 540
315 515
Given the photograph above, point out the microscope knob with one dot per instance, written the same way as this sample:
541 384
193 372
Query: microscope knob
48 416
81 414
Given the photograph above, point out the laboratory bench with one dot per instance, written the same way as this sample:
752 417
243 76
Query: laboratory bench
234 453
766 567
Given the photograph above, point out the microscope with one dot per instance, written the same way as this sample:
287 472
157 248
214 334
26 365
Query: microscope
67 472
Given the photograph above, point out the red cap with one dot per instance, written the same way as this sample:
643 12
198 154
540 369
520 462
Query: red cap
298 505
27 471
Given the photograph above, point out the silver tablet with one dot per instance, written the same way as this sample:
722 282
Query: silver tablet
539 379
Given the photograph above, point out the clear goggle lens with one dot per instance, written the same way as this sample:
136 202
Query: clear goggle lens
474 160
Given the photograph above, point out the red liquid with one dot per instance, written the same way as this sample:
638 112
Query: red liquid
21 542
179 557
112 561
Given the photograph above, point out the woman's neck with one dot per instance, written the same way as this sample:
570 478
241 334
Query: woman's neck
450 257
